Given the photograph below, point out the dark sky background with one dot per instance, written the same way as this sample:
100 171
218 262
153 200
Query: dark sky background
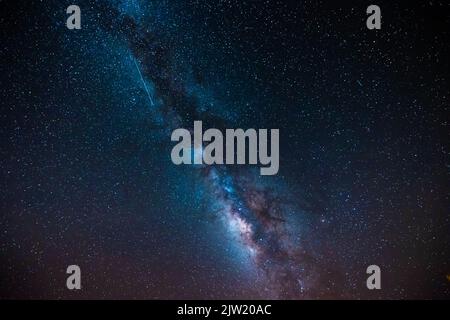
85 170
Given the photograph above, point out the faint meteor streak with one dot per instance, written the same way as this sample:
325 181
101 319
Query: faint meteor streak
142 79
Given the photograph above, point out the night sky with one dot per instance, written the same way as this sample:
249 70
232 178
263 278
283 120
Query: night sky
86 176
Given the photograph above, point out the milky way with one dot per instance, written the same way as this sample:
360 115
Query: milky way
252 213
